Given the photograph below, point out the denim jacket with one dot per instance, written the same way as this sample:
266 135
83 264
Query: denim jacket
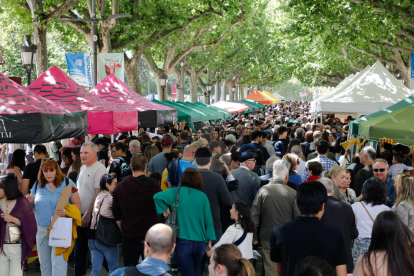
149 266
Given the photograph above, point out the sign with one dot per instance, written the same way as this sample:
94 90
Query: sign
173 90
111 64
79 67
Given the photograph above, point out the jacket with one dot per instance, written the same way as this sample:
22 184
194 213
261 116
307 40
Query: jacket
133 204
273 205
73 212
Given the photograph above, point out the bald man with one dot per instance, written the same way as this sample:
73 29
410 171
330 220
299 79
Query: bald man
177 167
159 246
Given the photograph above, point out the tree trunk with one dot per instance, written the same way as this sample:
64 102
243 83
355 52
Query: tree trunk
242 92
223 91
180 90
236 96
193 85
160 91
217 92
131 71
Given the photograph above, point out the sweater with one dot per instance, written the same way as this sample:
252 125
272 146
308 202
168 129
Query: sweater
193 213
134 206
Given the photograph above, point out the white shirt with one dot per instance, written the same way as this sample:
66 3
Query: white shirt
88 181
364 222
232 234
270 148
301 167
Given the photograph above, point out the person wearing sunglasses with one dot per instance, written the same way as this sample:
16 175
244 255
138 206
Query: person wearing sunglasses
380 170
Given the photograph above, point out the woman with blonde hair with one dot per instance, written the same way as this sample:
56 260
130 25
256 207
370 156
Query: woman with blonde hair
294 177
227 260
404 204
342 180
150 152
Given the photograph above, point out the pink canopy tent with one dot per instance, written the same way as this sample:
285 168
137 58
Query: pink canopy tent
103 118
113 90
25 117
230 106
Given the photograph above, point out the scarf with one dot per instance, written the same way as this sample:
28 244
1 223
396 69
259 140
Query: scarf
23 211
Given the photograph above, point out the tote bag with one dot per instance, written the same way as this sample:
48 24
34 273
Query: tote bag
61 233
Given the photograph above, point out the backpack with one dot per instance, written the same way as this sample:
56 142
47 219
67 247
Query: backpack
125 169
172 168
133 271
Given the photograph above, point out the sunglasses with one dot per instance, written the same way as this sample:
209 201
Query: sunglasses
376 170
48 159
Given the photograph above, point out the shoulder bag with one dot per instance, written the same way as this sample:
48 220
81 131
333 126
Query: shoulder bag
367 211
172 218
107 231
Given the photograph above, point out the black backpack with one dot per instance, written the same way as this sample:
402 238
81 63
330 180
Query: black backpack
172 168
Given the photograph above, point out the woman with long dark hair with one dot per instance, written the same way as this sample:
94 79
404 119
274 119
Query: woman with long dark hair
17 227
77 164
214 135
67 160
17 165
391 251
240 233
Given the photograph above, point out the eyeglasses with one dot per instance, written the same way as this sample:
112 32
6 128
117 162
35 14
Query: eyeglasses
381 170
48 159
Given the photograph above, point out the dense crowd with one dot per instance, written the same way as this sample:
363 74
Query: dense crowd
276 184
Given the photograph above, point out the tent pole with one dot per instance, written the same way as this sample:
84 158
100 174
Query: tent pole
112 138
86 139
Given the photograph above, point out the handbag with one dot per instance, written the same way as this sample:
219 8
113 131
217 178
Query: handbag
367 211
107 231
61 233
15 234
172 218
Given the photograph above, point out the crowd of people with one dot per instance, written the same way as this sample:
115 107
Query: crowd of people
276 181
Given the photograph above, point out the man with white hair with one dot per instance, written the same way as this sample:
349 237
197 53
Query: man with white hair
339 214
134 147
273 205
88 188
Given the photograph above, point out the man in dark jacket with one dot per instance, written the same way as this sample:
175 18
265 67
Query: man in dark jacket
339 214
282 144
134 205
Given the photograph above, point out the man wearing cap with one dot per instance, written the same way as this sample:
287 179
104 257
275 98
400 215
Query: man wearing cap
158 163
249 182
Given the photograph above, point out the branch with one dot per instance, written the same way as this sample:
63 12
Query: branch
151 63
59 11
373 55
349 60
391 46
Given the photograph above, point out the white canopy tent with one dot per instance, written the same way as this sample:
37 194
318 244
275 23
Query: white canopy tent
369 92
280 97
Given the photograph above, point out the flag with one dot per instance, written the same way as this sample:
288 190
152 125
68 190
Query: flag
79 68
173 90
111 64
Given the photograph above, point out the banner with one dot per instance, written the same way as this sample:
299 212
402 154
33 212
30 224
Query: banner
111 64
173 90
79 67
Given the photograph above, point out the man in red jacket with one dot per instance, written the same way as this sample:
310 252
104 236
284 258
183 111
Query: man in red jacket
133 204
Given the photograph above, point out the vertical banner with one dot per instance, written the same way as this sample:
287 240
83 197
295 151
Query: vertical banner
111 64
412 71
79 68
173 90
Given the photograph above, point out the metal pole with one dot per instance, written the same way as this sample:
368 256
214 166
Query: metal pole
29 74
182 82
94 46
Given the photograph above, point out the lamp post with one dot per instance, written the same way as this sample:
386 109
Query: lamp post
207 94
181 98
163 83
28 52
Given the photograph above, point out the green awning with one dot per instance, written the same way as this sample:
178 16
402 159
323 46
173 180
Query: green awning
196 115
182 115
397 125
354 125
260 105
212 114
224 112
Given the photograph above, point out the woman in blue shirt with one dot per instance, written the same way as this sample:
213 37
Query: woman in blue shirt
45 194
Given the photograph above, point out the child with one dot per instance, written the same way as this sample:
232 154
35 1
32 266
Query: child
398 166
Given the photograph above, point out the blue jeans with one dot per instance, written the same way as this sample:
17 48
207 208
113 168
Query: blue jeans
189 255
206 260
98 252
50 264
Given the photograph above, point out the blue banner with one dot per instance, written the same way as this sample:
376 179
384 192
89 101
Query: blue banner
79 67
412 65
